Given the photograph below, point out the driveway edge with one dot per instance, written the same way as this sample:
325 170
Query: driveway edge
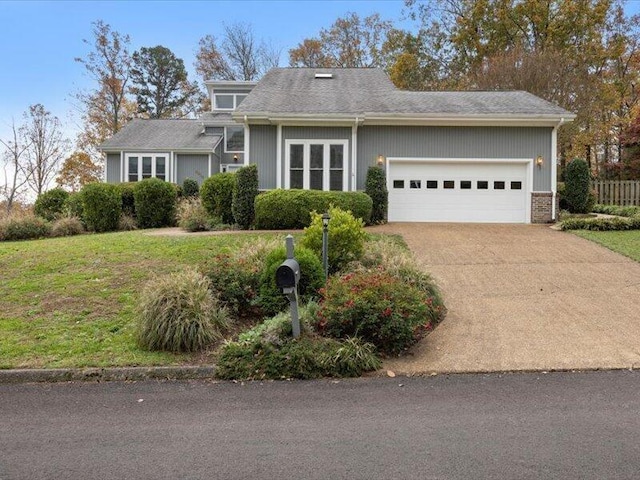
105 374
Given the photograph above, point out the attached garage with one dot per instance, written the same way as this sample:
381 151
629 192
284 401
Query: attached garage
459 190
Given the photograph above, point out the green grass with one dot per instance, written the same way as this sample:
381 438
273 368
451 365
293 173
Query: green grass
70 302
625 242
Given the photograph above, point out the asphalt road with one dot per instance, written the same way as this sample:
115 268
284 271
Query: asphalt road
514 426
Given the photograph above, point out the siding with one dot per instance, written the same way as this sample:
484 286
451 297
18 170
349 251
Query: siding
113 167
195 166
455 142
263 148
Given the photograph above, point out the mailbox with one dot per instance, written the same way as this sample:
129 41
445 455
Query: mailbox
288 274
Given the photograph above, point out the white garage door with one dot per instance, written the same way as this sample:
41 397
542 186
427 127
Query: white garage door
457 192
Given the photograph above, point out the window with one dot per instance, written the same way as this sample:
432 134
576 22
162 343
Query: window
146 165
449 184
465 184
498 185
432 184
316 164
415 184
398 184
227 101
482 185
516 185
234 139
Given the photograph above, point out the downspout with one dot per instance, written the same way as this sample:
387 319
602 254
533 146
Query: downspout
247 141
554 168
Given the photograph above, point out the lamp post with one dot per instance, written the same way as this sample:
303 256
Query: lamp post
325 244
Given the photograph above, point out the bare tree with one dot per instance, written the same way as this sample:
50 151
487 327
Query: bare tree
13 168
46 147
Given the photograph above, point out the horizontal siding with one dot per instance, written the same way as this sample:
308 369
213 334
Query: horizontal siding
194 166
455 142
113 168
263 149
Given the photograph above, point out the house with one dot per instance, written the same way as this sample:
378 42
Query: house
449 156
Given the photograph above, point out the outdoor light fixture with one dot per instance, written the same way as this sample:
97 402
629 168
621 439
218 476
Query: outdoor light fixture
235 158
380 159
539 161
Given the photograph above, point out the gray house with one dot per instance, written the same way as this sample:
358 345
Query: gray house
449 156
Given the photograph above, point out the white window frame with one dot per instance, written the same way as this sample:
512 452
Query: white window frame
244 138
235 100
154 157
326 169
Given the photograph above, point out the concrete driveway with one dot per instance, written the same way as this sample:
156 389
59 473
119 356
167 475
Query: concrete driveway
523 297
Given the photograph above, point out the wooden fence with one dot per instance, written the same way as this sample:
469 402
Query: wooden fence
617 192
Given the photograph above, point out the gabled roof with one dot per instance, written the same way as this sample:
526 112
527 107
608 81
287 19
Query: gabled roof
369 93
141 134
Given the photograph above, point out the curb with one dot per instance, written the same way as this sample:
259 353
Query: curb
105 374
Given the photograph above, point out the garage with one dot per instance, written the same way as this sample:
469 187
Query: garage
470 190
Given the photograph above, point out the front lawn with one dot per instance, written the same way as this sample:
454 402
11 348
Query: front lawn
625 242
70 302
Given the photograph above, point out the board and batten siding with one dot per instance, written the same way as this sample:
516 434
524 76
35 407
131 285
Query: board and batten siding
456 142
113 168
194 166
263 148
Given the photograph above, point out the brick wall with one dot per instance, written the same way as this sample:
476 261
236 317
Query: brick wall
541 207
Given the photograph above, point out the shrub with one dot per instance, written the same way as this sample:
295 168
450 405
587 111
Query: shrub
155 203
66 227
192 216
128 199
272 299
179 314
577 186
601 224
50 204
346 238
375 306
217 195
291 209
127 223
376 188
73 206
26 227
190 188
101 206
244 195
628 211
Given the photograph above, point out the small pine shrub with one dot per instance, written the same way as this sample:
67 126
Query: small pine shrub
577 188
50 204
101 206
127 223
192 216
128 198
376 188
346 238
244 195
155 203
272 299
67 227
190 188
179 314
217 196
27 227
375 306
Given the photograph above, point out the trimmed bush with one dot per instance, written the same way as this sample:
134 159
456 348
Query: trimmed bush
190 188
155 203
628 211
50 204
291 209
376 188
128 198
217 196
272 300
601 224
73 206
101 206
192 216
577 187
179 314
375 306
28 227
346 238
244 195
67 227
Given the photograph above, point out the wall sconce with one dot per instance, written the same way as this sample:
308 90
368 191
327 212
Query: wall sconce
380 160
539 161
235 158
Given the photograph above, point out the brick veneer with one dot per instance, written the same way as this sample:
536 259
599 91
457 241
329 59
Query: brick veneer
541 207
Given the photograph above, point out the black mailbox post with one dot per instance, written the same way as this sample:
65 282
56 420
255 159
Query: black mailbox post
287 278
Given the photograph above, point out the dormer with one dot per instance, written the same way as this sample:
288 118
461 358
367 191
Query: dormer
225 96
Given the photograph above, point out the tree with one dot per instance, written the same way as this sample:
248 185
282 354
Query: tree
77 171
46 147
106 108
12 163
349 42
160 83
239 55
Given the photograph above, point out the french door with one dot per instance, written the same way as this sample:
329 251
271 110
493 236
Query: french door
316 164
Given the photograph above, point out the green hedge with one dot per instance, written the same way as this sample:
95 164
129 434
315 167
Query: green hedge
50 204
291 209
216 194
155 203
244 196
628 211
601 224
376 188
101 206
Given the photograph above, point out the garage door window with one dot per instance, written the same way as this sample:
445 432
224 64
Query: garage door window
316 164
449 184
465 184
483 185
516 185
398 184
415 184
498 185
432 184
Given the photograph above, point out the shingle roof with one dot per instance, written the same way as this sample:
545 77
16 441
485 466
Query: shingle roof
218 118
142 134
296 91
